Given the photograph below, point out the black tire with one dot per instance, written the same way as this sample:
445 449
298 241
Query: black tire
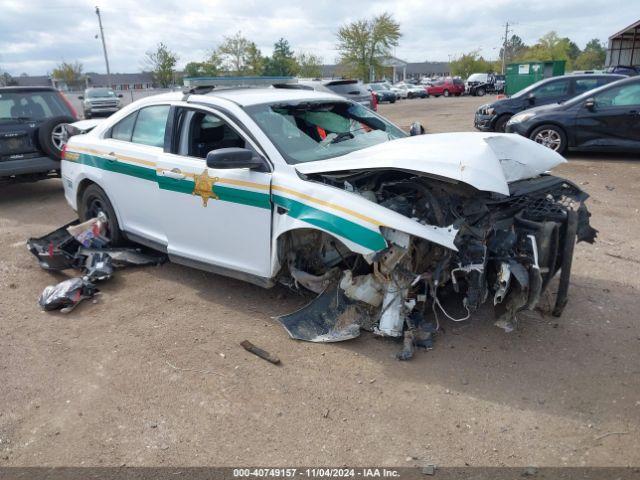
95 200
551 136
392 101
52 137
480 92
501 123
446 93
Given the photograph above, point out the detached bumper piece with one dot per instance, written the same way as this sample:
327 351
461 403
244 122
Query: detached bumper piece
88 252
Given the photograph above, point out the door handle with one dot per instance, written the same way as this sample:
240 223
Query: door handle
175 173
111 157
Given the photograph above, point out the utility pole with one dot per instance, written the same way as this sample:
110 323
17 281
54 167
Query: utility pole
104 47
504 45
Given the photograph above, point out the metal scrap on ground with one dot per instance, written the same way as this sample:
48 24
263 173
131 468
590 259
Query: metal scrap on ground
82 246
269 357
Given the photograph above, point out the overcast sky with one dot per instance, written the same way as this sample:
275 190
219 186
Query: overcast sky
35 35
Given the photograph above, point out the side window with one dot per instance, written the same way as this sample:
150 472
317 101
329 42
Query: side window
585 84
553 89
150 125
624 96
202 132
124 128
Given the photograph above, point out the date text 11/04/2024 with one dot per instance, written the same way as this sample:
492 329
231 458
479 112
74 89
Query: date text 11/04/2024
316 472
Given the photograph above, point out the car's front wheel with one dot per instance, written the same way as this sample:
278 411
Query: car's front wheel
501 123
95 201
480 92
551 136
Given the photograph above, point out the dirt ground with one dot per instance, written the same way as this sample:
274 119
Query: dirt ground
153 374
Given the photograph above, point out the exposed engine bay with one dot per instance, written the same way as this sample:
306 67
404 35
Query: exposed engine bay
508 250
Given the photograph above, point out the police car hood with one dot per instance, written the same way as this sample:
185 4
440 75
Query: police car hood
486 161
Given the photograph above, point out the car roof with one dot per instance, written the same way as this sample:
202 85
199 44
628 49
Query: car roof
587 75
27 89
256 96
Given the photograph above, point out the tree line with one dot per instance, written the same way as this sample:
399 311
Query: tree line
363 46
548 47
236 56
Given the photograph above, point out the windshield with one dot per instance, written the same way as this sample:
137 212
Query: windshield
477 77
100 93
311 131
31 105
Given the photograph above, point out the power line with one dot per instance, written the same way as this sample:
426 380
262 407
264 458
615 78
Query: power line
504 45
104 46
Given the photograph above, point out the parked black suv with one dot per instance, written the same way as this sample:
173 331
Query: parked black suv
31 132
493 117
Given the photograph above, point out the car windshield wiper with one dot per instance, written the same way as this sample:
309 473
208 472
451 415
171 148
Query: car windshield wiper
342 136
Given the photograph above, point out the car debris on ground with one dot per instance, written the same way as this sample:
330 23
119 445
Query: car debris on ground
83 246
250 347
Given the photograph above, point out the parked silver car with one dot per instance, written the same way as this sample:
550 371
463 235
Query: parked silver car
100 101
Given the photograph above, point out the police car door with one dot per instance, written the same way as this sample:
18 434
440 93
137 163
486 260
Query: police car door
215 219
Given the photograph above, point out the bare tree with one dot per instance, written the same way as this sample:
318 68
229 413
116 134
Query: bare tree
161 62
235 52
309 65
363 44
69 73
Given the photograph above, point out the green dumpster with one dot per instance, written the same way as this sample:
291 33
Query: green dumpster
521 75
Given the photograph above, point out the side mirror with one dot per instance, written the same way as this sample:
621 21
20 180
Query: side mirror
119 95
224 158
80 97
590 104
416 129
531 97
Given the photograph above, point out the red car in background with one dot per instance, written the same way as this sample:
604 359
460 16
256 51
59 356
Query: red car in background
446 86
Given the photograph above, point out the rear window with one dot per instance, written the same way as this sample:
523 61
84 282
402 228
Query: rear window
37 105
146 126
477 77
150 126
347 88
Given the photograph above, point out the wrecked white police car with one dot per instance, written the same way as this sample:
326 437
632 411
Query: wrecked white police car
314 191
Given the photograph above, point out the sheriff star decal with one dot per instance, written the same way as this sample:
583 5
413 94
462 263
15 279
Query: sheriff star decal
204 187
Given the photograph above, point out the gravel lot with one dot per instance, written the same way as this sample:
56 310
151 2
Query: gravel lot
153 374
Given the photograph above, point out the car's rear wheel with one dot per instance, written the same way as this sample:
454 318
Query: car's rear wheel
501 123
95 201
52 136
480 92
551 136
446 93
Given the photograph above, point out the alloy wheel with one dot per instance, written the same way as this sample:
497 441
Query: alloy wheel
549 138
59 136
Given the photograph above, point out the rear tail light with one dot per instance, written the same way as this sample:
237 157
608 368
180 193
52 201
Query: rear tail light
63 152
74 114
